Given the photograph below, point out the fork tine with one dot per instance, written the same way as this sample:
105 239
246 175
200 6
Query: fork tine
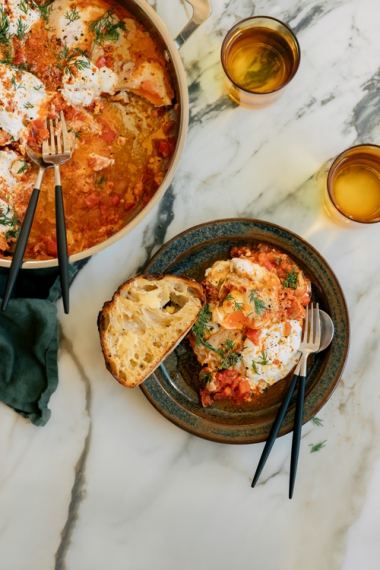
317 339
311 329
45 144
52 142
306 325
58 131
65 136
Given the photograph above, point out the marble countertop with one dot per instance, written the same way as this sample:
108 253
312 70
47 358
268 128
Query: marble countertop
109 482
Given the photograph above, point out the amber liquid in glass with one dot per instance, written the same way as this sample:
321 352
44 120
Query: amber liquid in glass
356 189
260 60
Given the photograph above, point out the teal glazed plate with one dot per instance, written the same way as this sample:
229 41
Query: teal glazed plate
173 387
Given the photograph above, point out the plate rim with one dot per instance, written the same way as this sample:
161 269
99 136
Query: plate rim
257 438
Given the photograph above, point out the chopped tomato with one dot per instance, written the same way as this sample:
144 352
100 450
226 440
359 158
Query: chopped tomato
305 300
128 206
19 57
165 147
254 336
51 246
243 388
295 310
108 134
235 320
115 200
101 62
38 131
91 200
205 397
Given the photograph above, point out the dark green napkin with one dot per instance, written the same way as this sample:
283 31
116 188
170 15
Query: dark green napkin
29 341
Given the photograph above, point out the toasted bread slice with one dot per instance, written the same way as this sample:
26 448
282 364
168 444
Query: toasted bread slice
145 320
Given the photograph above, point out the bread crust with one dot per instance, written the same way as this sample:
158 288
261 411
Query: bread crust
145 320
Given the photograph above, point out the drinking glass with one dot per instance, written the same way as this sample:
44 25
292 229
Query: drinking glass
351 196
260 56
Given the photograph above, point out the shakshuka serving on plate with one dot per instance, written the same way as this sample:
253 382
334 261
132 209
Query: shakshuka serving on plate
97 64
248 333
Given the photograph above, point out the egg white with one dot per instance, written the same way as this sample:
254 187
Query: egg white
88 83
8 183
27 17
276 346
20 99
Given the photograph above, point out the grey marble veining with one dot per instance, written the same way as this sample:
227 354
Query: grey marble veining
109 482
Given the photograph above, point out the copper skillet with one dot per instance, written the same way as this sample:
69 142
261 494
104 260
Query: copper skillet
148 17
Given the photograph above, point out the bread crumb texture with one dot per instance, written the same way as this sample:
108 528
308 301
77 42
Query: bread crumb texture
147 317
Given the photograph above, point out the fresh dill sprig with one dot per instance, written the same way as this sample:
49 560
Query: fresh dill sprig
259 305
228 354
262 362
39 87
43 9
24 166
69 59
201 328
290 280
28 105
21 29
21 67
317 446
7 220
72 15
101 180
24 6
77 134
317 421
81 64
106 29
5 35
15 84
205 377
237 306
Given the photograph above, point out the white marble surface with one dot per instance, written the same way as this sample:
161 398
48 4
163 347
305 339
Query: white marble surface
108 482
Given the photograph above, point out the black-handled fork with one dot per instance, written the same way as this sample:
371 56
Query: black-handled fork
23 237
311 339
57 151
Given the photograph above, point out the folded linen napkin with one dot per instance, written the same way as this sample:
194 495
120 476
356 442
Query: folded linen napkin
29 341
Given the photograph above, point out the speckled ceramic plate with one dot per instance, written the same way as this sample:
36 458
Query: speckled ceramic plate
173 388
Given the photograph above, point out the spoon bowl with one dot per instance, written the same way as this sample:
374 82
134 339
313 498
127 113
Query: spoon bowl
327 330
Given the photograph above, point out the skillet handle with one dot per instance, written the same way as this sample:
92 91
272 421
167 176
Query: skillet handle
201 11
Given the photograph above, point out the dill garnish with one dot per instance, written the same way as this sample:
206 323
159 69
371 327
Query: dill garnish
5 36
237 306
43 9
24 166
106 29
21 29
28 105
201 328
317 446
69 59
228 355
291 279
24 5
72 15
317 421
205 377
259 305
262 362
15 84
8 220
101 180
